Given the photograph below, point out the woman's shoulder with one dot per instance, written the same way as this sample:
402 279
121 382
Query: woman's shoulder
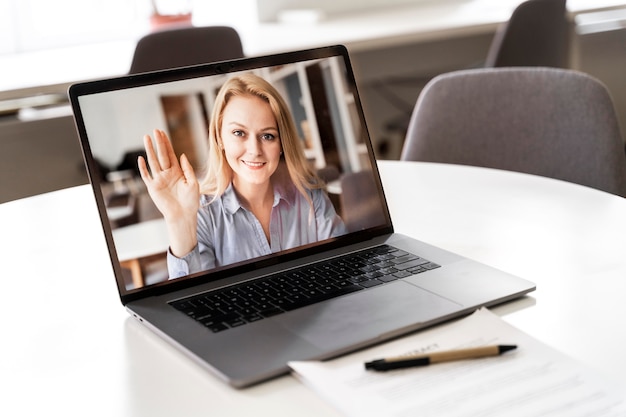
319 196
316 192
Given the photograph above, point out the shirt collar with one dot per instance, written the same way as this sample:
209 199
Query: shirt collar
283 190
230 200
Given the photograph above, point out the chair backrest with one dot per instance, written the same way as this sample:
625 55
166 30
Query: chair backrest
545 121
537 34
185 46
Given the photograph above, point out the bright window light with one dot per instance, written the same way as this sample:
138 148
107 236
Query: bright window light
29 25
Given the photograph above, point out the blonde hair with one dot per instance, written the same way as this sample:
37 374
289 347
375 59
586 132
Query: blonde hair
219 174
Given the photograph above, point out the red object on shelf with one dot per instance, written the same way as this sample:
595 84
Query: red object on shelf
162 21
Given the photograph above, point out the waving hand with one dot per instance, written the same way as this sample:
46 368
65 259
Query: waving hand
174 189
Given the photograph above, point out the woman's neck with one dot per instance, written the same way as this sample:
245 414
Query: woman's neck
255 197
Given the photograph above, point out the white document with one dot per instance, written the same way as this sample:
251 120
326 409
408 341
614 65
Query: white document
533 380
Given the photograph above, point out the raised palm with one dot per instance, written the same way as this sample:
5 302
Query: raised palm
172 185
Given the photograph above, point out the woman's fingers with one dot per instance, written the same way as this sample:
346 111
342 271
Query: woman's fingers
188 171
143 169
165 152
160 152
153 161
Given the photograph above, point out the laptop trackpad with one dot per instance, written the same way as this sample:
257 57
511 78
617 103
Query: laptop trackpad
366 315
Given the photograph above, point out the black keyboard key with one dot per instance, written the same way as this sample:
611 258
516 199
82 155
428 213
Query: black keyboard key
374 274
184 305
236 322
208 315
402 274
411 264
306 301
387 271
221 318
328 288
358 279
370 283
253 317
370 268
271 311
216 327
388 278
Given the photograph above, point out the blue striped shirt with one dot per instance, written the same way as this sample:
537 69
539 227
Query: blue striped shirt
229 233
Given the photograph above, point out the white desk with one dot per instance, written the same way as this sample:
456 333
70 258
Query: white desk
58 359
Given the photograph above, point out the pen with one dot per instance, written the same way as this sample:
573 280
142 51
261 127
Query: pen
400 362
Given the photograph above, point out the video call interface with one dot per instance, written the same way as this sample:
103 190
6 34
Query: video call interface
330 133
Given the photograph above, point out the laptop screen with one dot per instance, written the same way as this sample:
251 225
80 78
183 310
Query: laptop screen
202 169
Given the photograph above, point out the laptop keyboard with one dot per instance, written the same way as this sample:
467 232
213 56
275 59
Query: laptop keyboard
234 306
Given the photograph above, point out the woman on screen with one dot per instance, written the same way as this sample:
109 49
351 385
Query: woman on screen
259 195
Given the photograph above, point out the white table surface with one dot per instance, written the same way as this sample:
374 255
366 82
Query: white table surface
141 239
69 348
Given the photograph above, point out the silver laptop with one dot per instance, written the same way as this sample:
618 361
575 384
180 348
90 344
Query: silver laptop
319 274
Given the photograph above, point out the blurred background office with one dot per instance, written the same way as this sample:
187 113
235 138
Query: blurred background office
397 46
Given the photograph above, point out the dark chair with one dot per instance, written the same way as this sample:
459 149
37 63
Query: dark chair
328 173
552 122
120 199
185 46
537 34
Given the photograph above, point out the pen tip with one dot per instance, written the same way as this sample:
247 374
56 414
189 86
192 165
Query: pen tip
506 348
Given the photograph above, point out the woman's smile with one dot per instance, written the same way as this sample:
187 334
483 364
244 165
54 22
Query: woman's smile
254 165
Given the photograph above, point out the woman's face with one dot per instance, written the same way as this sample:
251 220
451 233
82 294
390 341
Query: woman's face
250 139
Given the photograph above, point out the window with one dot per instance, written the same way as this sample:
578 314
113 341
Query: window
33 25
30 25
7 37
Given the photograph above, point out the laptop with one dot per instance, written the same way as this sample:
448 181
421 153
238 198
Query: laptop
245 317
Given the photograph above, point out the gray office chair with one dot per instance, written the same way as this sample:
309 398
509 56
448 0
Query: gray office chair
185 46
551 122
536 34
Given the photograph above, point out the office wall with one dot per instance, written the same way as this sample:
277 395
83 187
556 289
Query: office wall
601 46
268 10
391 79
38 156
